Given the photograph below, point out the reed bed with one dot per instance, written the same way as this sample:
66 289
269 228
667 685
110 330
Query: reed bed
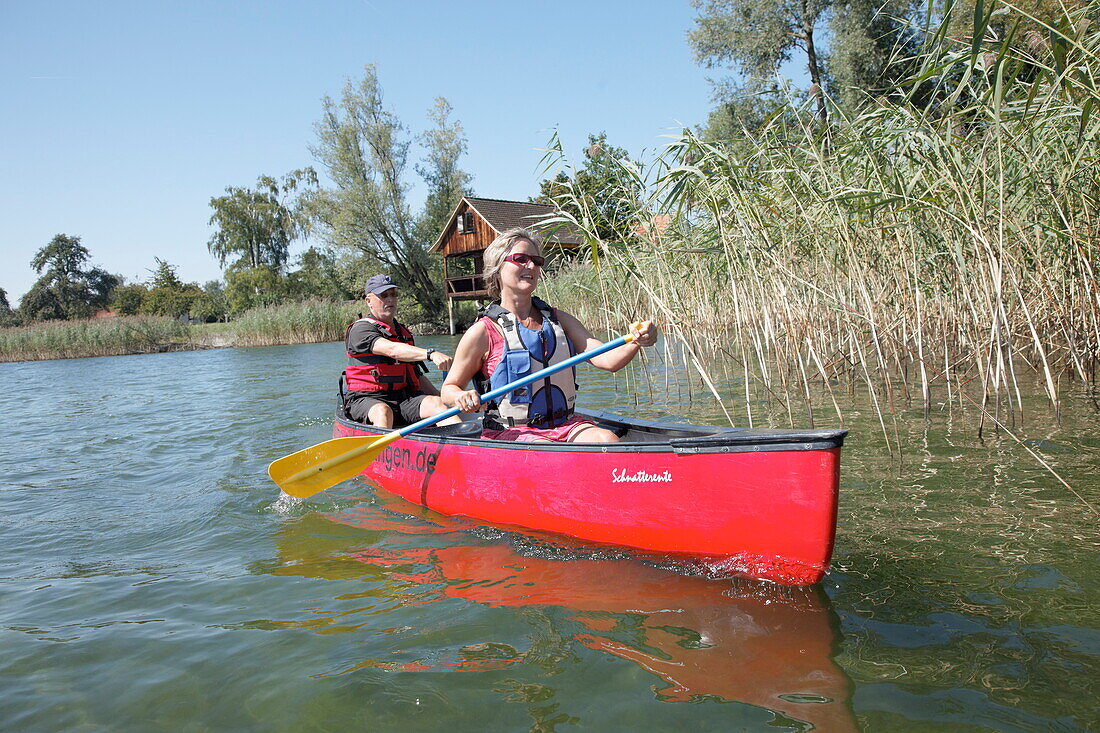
311 321
296 323
942 253
94 337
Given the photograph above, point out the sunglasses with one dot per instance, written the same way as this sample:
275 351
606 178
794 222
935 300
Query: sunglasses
522 259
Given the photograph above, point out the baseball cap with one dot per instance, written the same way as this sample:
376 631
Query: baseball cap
379 284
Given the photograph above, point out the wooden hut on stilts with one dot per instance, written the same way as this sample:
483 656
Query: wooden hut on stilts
473 225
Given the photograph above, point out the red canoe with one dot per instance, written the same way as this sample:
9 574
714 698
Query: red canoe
761 503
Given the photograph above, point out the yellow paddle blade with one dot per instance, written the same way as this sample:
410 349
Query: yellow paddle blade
315 469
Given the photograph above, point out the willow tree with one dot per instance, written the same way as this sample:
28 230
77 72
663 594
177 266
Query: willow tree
445 142
364 148
256 226
755 37
872 46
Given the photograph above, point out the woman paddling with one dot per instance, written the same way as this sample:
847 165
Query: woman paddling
520 334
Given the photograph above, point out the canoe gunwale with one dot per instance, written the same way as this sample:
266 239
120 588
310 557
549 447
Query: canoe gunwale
682 438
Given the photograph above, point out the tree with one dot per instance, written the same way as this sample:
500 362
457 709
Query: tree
602 187
164 276
872 43
756 36
254 287
447 183
8 317
742 109
256 226
213 304
319 276
364 148
126 300
66 289
168 295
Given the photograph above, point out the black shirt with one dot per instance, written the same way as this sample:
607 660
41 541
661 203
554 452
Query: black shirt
363 334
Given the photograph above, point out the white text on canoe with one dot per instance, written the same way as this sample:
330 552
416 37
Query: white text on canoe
620 475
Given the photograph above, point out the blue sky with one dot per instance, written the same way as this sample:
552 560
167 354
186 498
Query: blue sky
122 119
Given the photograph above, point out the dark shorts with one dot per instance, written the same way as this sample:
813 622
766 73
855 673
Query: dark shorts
405 405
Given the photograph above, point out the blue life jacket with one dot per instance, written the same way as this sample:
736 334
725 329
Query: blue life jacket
543 404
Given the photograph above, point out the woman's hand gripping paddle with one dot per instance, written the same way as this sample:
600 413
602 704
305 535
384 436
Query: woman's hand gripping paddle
315 469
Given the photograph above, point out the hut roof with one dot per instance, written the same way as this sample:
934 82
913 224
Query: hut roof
502 215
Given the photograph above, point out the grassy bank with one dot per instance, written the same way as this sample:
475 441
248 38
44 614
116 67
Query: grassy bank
940 253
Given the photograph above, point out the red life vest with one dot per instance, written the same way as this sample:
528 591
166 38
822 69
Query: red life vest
373 373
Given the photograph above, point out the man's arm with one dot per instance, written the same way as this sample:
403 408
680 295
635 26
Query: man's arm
407 352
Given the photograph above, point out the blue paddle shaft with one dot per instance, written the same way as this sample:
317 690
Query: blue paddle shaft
501 391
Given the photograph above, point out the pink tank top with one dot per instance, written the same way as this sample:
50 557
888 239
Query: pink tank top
496 347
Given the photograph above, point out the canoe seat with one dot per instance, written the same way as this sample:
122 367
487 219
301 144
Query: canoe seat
464 429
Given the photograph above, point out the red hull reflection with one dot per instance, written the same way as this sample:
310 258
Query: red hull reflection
739 640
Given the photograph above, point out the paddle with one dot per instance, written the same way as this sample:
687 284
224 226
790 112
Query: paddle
315 469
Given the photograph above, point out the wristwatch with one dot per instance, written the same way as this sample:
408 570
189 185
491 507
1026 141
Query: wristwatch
428 354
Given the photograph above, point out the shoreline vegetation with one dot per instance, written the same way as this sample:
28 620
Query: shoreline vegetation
303 322
941 252
294 323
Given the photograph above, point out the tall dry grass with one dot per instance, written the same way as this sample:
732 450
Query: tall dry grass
937 251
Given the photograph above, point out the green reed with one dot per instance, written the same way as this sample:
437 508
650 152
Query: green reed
294 323
941 253
311 321
94 337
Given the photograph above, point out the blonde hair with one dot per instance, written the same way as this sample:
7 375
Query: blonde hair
493 259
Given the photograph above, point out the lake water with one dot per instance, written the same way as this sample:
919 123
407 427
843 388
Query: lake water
148 583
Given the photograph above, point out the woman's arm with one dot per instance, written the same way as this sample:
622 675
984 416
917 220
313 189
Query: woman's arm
469 356
645 334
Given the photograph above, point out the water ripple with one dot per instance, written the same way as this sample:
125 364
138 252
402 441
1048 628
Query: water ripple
153 578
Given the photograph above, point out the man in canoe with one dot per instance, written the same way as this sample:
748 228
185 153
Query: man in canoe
384 373
519 334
